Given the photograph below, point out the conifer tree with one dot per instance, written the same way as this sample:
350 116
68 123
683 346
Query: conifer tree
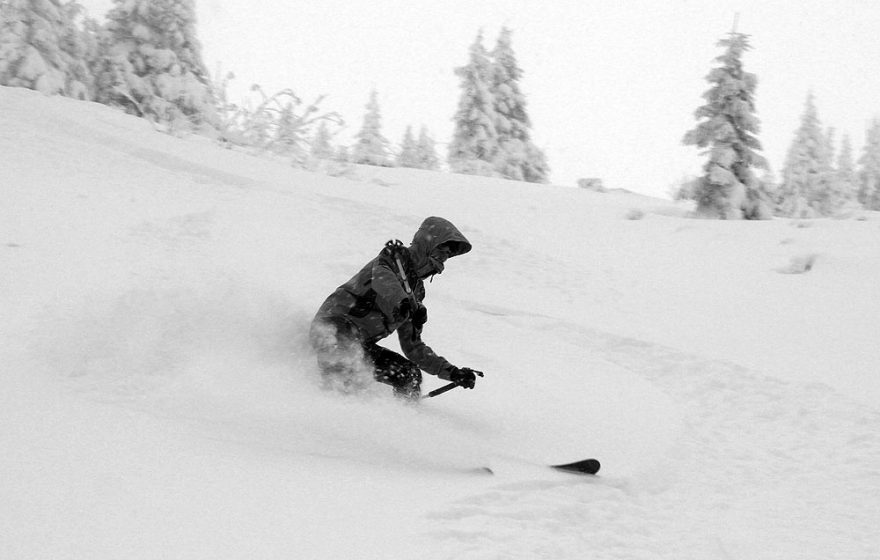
846 179
869 174
426 151
371 147
42 47
152 61
517 156
727 128
826 200
342 155
408 156
321 147
83 41
474 143
535 166
806 176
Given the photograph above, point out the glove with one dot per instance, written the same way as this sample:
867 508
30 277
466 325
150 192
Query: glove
419 317
464 377
402 311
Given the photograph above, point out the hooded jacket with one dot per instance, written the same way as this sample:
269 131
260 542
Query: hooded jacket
375 300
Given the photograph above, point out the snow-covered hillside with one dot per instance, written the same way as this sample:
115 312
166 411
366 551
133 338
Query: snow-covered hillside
158 399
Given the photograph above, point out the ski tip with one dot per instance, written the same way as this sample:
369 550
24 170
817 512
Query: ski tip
478 471
586 466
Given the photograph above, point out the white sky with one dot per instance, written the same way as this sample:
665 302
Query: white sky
611 87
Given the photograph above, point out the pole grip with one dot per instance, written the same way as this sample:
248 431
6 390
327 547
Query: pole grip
448 387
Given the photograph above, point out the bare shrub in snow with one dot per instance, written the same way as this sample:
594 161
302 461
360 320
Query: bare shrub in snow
279 124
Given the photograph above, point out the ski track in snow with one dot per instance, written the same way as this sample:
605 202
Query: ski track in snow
711 495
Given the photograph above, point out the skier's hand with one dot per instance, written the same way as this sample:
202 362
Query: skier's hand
464 377
403 310
419 317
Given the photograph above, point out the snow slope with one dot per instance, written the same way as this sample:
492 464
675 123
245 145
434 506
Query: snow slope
159 401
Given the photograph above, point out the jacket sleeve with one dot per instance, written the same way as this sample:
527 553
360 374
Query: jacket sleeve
420 353
389 289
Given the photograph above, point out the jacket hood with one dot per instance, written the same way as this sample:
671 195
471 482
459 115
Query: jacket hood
431 234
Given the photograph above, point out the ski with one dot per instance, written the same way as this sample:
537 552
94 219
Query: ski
586 466
583 467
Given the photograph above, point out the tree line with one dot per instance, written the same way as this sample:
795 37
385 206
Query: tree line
817 180
146 59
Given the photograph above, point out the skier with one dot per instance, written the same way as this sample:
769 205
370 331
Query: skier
386 296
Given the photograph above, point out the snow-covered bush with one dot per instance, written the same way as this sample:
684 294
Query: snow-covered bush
280 123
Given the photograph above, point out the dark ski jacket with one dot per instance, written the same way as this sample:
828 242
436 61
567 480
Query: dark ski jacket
374 299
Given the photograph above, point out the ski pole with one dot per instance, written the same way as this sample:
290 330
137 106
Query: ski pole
441 390
447 387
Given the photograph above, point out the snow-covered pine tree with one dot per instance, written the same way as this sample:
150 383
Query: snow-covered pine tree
518 158
321 147
769 184
342 154
535 167
426 151
153 63
827 200
83 41
806 175
371 147
42 48
408 155
846 179
727 128
869 173
474 143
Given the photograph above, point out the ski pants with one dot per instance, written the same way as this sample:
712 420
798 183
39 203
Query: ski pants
343 358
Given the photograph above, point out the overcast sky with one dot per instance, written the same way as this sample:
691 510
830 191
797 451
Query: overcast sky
611 86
